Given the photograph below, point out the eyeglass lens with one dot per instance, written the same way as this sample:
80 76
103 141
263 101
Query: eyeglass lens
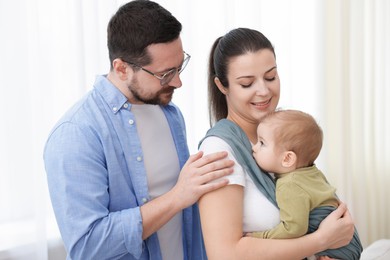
170 74
168 77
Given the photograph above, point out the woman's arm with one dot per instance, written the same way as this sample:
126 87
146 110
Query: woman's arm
221 218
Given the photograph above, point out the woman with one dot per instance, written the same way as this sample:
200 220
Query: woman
243 87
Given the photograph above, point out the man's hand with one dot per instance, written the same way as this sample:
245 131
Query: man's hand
199 174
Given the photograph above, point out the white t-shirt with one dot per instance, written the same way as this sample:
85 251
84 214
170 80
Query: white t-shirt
162 170
259 213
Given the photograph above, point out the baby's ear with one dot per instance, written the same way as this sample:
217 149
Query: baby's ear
289 159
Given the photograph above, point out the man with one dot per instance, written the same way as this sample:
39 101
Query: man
120 177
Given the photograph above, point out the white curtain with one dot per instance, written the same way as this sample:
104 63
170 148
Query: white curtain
357 121
333 58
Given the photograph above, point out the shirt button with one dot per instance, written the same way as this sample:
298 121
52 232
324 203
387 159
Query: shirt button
126 105
114 109
139 158
144 200
131 121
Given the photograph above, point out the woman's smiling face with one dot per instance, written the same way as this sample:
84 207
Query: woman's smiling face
254 86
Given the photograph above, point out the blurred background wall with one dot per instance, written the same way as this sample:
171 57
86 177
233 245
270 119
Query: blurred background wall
333 59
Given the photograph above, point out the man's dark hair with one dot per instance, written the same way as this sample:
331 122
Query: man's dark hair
135 26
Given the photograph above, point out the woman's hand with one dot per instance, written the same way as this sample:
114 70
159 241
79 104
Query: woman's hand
337 229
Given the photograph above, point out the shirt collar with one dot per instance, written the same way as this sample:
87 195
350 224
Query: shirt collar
111 94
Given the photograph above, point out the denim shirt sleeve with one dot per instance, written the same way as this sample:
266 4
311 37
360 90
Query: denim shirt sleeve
79 188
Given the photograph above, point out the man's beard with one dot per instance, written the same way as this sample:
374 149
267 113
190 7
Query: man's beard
151 99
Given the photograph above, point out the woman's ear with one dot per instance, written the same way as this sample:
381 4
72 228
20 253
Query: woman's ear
120 68
289 159
220 86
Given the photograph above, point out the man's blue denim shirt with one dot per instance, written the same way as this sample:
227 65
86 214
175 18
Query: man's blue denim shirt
97 179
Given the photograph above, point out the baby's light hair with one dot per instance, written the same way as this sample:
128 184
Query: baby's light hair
296 131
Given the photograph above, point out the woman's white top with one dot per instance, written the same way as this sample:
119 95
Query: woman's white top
259 213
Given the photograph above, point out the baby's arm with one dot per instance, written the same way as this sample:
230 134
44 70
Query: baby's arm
294 204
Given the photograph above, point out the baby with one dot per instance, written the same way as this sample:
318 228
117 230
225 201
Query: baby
289 141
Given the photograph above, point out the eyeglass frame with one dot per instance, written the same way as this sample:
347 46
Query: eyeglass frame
164 75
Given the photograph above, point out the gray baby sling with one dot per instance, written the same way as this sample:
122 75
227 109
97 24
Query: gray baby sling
242 150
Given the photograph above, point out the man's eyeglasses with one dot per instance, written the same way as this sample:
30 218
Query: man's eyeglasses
165 77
